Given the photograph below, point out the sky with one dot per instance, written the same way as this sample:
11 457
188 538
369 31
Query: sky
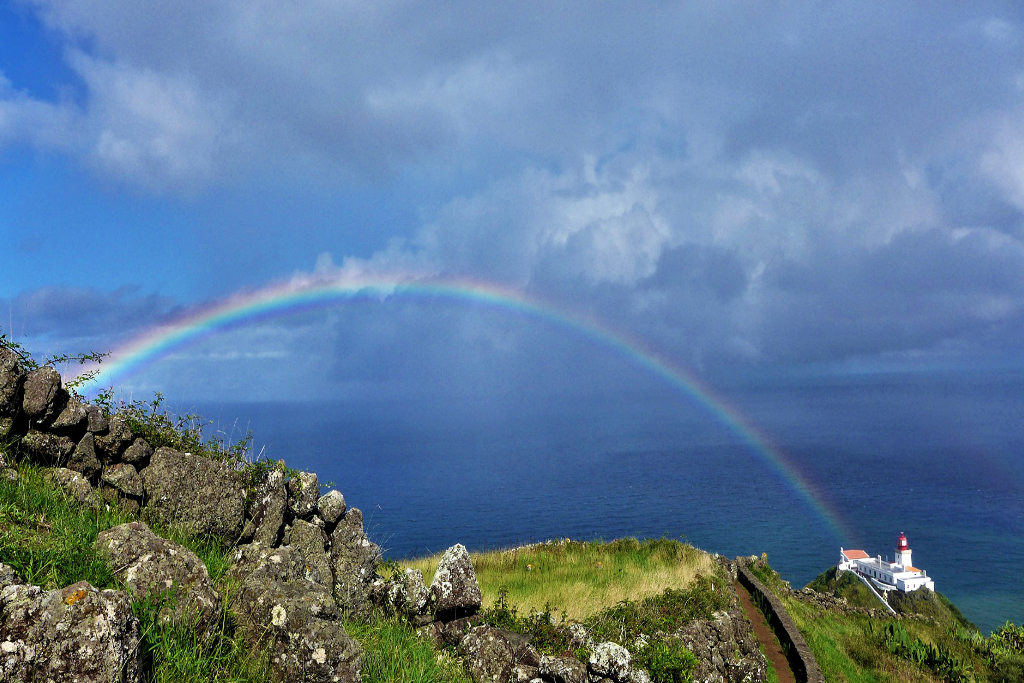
743 186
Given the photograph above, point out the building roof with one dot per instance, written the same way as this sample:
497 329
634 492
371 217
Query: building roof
855 554
912 569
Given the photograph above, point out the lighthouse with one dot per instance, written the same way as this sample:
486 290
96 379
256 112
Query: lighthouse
903 552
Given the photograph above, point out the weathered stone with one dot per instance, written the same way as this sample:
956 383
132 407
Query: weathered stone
47 448
12 379
311 541
12 426
10 475
454 590
406 593
154 567
200 495
563 669
278 602
641 676
76 486
138 454
611 660
8 577
354 562
578 636
489 656
84 459
124 478
76 633
524 673
72 419
266 512
331 507
726 647
112 444
97 422
303 494
43 396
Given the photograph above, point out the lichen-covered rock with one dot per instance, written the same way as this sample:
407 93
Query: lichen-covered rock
313 651
726 648
330 507
354 560
266 512
311 541
96 422
524 673
12 379
76 486
76 634
200 495
72 419
138 454
488 655
154 567
279 605
112 444
406 593
8 577
454 590
83 458
610 660
303 494
43 397
563 669
124 478
47 448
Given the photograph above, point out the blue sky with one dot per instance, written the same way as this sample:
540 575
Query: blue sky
744 187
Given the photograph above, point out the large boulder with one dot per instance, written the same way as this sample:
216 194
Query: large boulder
281 607
83 458
311 541
266 511
154 567
72 419
202 496
495 655
76 634
116 439
46 448
138 454
610 660
354 560
303 494
563 669
454 591
76 487
12 379
44 397
330 507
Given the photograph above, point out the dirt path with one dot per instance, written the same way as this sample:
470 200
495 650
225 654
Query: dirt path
765 635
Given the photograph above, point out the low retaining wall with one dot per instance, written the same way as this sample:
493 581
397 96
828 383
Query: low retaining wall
805 666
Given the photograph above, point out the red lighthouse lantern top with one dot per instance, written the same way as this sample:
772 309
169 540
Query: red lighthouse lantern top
901 544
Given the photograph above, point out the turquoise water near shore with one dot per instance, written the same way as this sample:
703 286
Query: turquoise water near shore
939 458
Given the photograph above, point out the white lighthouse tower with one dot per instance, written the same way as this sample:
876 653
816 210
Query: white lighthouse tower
903 552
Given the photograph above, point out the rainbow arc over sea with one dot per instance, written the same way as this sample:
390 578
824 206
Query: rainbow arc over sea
249 307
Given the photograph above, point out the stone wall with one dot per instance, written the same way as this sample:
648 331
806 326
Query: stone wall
805 666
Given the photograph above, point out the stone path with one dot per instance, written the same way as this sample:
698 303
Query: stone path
765 635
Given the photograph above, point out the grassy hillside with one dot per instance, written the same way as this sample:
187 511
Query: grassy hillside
577 579
931 643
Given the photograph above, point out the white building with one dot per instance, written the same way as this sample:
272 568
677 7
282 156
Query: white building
900 575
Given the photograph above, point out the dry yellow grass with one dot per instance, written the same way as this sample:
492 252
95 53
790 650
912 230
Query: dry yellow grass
580 579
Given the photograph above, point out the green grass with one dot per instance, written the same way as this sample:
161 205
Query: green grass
395 654
580 579
846 585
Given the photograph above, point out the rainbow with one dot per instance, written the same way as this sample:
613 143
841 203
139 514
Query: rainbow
287 298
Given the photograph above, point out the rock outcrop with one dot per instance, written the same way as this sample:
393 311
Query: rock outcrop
77 633
199 495
171 576
454 591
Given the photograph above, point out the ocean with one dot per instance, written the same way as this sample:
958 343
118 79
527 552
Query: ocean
938 457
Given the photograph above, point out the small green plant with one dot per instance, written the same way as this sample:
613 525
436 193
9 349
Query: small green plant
30 363
667 661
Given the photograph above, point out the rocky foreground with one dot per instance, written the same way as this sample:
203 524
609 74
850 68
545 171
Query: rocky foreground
301 563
